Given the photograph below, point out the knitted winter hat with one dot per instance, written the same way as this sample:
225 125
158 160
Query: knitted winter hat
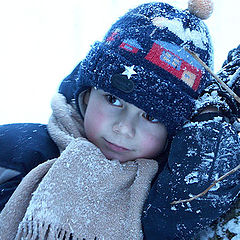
142 60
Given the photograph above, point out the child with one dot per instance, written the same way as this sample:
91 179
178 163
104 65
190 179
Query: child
133 90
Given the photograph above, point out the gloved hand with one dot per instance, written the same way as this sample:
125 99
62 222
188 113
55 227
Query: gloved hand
230 74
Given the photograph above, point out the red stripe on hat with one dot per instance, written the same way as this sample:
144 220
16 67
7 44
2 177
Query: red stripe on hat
175 65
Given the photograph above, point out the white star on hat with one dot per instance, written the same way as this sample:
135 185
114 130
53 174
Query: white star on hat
129 71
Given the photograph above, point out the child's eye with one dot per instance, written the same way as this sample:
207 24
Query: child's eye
150 118
113 100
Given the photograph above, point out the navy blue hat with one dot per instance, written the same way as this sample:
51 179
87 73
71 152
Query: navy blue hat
142 60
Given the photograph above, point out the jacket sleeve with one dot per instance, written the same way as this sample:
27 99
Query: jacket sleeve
22 147
17 205
201 153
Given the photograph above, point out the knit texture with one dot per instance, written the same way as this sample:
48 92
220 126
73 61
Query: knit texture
80 195
215 95
230 74
142 60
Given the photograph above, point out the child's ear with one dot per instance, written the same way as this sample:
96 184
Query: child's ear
83 99
86 97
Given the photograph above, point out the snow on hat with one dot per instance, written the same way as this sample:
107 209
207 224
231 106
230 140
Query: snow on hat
142 60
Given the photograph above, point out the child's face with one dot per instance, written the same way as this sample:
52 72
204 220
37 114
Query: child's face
121 130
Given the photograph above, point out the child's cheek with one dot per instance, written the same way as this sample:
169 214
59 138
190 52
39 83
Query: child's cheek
147 142
151 145
94 125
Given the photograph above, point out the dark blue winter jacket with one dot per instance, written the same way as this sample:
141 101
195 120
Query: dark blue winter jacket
23 146
201 153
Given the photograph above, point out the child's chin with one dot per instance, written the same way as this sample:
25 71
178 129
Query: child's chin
121 159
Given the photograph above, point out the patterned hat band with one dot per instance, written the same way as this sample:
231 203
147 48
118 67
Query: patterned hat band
160 55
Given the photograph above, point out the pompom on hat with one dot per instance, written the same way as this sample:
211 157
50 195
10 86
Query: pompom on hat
201 8
142 60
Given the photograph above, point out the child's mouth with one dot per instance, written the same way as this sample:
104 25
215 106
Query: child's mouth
115 147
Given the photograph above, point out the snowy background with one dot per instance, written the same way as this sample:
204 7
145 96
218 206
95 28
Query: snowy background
43 40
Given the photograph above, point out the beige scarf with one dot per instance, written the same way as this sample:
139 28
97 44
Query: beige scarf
80 195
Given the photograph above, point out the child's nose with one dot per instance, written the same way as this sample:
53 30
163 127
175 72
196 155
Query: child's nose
125 128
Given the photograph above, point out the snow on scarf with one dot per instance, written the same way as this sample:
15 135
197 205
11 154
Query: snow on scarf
80 195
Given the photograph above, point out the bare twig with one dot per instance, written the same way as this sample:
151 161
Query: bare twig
206 190
223 84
